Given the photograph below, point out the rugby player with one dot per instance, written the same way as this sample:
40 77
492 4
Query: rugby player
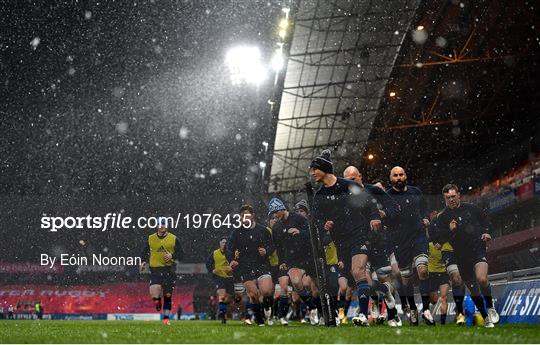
274 269
466 227
439 282
218 266
248 249
161 251
348 213
332 260
380 248
296 265
411 246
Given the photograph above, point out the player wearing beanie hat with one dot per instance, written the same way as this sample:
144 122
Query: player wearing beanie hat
296 264
348 214
302 205
323 162
275 205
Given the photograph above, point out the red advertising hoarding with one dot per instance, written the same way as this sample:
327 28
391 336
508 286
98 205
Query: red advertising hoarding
81 299
27 267
525 191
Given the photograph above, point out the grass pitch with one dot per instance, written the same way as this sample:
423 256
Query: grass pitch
28 331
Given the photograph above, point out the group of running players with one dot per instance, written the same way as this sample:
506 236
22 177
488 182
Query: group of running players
380 242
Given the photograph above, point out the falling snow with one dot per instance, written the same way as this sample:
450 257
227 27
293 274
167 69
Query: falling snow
115 105
35 42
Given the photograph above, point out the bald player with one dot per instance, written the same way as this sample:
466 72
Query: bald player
388 208
380 249
411 246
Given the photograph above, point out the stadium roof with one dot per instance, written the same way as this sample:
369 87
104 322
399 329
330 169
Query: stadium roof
466 104
341 58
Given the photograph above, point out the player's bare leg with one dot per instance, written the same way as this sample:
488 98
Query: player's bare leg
254 296
392 314
458 291
407 289
156 294
443 301
423 284
283 305
277 297
440 301
395 280
302 285
481 273
167 306
358 271
374 311
343 299
476 296
266 289
223 299
307 281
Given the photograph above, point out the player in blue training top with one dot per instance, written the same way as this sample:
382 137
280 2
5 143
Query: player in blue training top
248 249
466 227
348 213
296 264
380 252
411 245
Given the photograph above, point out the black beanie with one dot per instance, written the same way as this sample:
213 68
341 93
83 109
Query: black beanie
302 204
323 162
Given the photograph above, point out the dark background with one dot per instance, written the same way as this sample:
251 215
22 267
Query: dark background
125 106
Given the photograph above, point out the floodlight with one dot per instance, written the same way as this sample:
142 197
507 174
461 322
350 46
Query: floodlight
245 65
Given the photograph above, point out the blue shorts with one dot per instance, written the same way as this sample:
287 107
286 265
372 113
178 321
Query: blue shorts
378 258
224 283
244 273
467 261
306 263
407 252
164 276
436 279
346 250
379 265
276 273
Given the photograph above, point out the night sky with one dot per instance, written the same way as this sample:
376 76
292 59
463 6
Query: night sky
105 104
128 96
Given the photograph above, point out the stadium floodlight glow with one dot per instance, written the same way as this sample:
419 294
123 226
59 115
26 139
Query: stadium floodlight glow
277 61
245 65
